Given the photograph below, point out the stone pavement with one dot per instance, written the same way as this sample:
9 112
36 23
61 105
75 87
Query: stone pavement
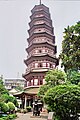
28 116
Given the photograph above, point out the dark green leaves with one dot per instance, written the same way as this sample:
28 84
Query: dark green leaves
71 47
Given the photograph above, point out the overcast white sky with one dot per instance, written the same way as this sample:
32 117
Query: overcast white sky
14 19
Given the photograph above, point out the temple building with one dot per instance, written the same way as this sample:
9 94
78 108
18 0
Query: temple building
41 50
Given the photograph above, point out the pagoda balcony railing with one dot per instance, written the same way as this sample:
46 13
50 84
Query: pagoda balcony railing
40 32
38 69
41 54
40 42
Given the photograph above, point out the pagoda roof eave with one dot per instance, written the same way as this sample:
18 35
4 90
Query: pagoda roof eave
28 75
43 25
33 90
42 56
40 34
40 26
41 11
33 70
45 43
41 18
41 5
19 93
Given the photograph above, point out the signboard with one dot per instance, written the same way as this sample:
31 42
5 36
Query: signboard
50 115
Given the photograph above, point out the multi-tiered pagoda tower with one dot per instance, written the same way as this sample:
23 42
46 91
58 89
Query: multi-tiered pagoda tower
41 47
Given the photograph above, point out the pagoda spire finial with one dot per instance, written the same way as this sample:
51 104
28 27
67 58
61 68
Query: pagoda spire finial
40 2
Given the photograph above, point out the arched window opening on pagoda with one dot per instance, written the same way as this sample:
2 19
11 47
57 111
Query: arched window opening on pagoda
39 30
35 81
41 81
51 65
40 51
47 64
31 82
39 64
39 22
44 64
36 51
40 15
43 50
36 65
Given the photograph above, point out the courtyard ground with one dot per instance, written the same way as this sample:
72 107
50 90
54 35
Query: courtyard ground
29 116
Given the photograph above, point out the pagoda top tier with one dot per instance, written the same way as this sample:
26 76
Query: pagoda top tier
39 8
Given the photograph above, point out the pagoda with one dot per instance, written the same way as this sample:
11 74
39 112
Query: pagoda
41 48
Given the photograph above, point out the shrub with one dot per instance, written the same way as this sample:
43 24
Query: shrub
1 119
4 107
13 100
11 117
11 106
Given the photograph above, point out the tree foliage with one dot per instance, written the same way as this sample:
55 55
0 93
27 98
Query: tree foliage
42 90
4 107
2 88
13 100
64 100
73 76
62 89
71 48
55 77
52 78
5 98
11 106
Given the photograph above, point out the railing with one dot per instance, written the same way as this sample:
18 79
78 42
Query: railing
37 69
43 41
41 54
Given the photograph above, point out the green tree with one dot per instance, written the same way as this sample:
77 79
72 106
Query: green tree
64 100
42 90
13 100
4 107
55 77
2 91
52 78
73 76
2 88
4 95
4 98
70 55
